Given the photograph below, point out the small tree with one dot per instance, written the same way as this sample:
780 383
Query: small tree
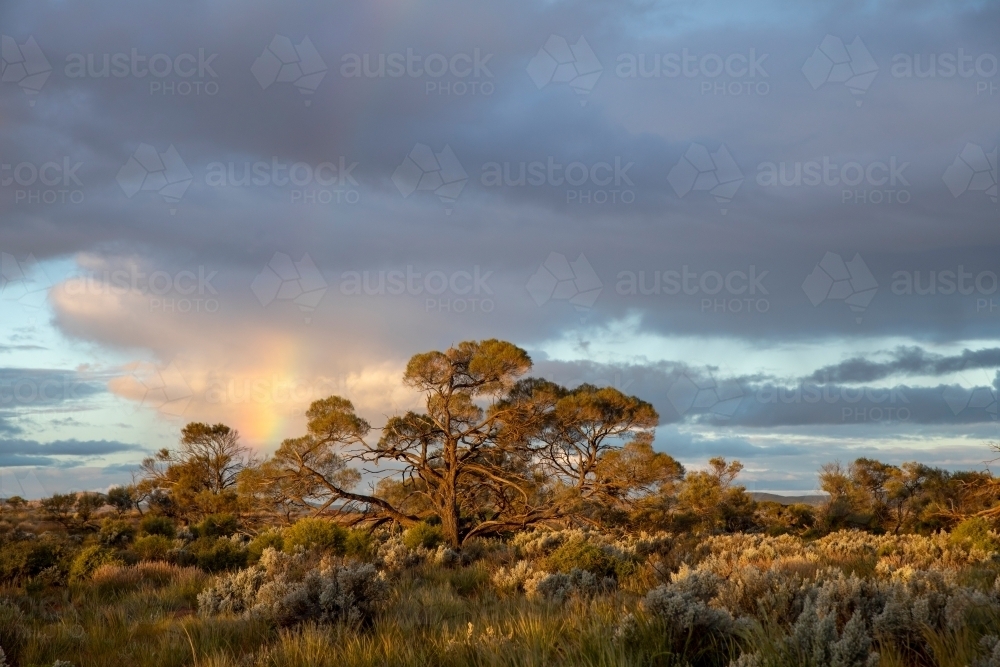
60 508
87 504
200 478
122 499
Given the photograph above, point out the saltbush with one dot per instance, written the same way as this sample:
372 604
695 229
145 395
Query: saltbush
278 590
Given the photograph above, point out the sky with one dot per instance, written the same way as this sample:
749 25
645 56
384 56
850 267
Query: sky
775 221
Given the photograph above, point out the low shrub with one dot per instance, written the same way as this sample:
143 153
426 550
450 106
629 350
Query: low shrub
152 547
423 535
316 534
560 586
975 533
359 543
91 558
116 532
158 525
268 539
581 555
217 525
272 590
218 555
28 558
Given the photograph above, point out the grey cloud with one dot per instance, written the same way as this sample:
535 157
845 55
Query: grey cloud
907 361
64 448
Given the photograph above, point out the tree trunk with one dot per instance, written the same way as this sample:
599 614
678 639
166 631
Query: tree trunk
449 523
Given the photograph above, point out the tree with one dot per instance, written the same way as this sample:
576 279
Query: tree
60 508
902 490
201 477
709 495
87 504
585 436
122 499
490 452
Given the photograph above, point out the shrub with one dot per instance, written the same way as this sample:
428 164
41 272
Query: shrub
316 534
578 554
271 590
27 558
393 555
158 525
512 579
975 533
152 547
218 555
560 586
268 538
89 559
217 525
359 543
423 535
116 532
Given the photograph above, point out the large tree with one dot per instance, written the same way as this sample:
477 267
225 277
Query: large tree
489 453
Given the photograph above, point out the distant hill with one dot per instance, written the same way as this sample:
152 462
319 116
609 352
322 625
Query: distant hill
790 500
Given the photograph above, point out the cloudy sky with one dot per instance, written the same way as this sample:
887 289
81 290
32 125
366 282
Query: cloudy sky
776 221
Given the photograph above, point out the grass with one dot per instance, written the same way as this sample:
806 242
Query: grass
435 617
145 615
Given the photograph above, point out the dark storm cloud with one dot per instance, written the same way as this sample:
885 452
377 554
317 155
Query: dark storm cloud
670 261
